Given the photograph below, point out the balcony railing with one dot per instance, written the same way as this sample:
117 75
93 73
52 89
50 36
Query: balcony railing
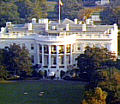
57 38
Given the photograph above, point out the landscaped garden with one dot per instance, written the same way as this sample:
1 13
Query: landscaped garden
42 92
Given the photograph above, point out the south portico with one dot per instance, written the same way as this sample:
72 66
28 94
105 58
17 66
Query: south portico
54 55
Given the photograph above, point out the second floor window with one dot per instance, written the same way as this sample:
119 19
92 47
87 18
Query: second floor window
32 46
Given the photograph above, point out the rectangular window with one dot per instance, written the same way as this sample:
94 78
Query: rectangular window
61 49
32 58
53 60
46 50
40 48
45 60
53 49
40 58
32 46
78 47
68 59
23 44
68 47
61 59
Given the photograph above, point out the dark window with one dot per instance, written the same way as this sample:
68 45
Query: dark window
32 58
32 46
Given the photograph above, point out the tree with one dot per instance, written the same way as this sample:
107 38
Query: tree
109 15
17 59
8 12
69 9
96 96
3 71
21 11
94 59
107 82
31 8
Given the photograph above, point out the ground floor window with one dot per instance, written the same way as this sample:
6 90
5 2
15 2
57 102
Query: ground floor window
53 60
32 58
40 58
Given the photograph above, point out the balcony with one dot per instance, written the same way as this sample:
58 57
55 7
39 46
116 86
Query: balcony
70 38
93 36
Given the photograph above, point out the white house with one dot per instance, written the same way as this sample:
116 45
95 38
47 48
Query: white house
102 2
55 46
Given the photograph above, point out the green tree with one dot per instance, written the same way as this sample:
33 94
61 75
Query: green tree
109 15
69 9
96 96
94 59
8 12
31 8
17 59
21 11
3 71
107 82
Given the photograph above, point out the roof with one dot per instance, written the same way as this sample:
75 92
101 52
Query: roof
40 28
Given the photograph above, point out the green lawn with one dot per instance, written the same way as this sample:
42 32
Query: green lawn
55 92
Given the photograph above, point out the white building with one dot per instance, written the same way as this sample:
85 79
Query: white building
55 46
102 2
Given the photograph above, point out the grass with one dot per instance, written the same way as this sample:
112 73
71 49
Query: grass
55 92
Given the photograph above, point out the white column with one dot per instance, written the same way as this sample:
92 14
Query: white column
83 47
71 54
65 56
37 54
49 58
57 48
109 46
42 55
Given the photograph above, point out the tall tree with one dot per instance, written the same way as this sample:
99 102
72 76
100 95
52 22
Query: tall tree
39 9
3 71
109 15
69 9
21 11
17 59
94 59
8 12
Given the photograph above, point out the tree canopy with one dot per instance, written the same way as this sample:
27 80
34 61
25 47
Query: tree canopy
94 59
69 9
20 11
99 65
16 59
110 15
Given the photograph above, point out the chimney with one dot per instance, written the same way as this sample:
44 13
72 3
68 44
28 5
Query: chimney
67 27
29 26
2 29
115 26
33 20
75 20
84 27
8 24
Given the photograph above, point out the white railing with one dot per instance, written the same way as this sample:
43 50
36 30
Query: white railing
57 38
15 35
93 36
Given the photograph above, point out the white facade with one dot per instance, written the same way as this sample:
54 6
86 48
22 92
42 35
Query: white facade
102 2
55 46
